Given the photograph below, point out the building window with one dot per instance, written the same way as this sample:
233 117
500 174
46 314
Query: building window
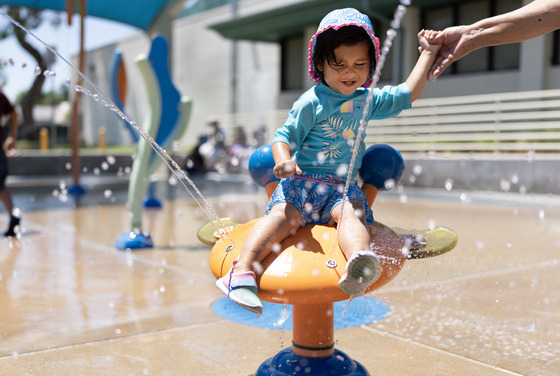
292 63
479 60
485 59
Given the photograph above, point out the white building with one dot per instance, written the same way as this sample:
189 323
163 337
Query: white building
250 56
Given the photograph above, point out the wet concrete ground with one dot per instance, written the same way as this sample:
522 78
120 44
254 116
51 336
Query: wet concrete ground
71 304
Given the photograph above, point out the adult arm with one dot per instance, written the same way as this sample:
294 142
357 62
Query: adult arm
534 19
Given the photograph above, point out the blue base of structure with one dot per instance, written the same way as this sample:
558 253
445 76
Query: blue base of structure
76 190
134 240
288 363
152 202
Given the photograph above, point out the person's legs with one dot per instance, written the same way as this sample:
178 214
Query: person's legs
353 233
282 221
6 199
239 284
363 267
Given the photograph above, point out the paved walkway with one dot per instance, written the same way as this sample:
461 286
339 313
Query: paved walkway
71 304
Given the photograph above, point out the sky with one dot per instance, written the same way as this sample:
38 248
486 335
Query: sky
18 66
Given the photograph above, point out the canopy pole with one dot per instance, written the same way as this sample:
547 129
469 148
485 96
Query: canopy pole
75 127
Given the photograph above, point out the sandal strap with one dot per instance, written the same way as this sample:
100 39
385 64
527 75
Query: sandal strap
246 279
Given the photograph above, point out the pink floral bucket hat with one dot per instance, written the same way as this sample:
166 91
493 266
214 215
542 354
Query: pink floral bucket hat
335 20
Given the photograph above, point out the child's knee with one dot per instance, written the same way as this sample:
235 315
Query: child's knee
287 214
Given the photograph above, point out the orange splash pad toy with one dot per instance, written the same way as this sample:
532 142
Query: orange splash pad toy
305 273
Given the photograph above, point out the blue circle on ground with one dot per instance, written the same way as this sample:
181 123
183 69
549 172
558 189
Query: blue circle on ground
347 314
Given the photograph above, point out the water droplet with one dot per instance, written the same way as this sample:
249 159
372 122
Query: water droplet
431 224
258 268
37 71
104 166
542 216
505 185
342 170
448 184
107 193
417 170
389 184
173 180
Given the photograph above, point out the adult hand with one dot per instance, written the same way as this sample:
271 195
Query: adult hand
10 146
456 43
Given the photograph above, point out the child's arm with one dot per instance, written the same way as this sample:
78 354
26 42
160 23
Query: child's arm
285 166
418 78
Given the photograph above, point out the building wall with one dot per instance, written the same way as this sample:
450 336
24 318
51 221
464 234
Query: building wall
202 70
203 67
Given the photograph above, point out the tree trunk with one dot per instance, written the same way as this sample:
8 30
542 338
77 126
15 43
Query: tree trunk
33 94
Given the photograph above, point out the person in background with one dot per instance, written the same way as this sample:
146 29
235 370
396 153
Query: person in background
7 150
534 19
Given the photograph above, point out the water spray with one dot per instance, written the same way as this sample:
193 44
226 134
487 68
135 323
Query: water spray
387 44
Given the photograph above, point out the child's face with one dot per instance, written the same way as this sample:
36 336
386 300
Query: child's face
351 69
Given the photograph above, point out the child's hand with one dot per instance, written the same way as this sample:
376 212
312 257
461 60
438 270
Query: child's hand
286 168
428 41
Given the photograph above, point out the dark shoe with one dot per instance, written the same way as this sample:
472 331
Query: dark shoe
14 221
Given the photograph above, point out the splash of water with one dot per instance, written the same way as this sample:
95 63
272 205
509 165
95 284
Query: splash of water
99 96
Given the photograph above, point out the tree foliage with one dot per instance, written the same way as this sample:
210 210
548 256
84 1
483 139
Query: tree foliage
30 19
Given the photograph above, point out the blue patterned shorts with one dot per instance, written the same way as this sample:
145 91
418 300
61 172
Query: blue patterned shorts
315 196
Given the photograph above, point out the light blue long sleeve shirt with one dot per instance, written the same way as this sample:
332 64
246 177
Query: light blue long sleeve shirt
323 124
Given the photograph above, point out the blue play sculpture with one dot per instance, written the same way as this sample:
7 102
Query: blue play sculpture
380 165
261 164
167 119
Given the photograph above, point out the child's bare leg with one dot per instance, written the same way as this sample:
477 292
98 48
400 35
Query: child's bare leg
363 267
353 233
282 221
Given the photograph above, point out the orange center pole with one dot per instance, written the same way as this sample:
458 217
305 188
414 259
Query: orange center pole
371 193
313 330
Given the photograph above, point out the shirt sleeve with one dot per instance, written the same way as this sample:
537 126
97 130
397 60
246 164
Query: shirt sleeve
5 106
300 121
390 101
